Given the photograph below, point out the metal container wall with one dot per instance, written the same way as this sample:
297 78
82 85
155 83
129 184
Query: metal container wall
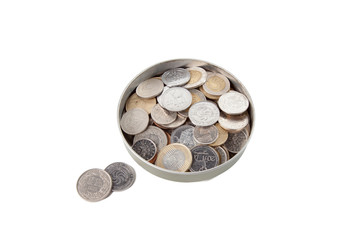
157 70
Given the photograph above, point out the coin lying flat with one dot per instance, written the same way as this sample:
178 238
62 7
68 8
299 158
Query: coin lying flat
94 185
197 77
184 135
175 156
145 148
236 141
162 116
134 121
234 123
233 103
209 96
216 84
176 77
176 99
180 120
204 158
223 154
150 88
155 134
206 135
204 113
134 101
159 97
223 135
123 175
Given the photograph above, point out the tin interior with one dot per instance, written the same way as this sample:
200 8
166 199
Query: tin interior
157 70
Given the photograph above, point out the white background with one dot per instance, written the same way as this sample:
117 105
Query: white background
64 64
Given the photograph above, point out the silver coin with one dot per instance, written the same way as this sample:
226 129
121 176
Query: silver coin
94 185
134 121
204 113
150 88
223 154
176 77
236 141
155 134
159 97
204 158
176 99
123 175
145 148
233 103
234 123
197 77
206 135
162 116
185 135
180 120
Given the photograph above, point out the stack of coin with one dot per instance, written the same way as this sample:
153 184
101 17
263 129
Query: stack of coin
96 184
197 120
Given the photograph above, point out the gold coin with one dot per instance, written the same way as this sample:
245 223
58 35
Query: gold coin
212 97
197 77
216 84
175 157
223 135
134 101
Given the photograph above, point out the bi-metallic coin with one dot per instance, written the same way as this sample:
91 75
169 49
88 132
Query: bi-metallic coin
134 101
197 77
175 156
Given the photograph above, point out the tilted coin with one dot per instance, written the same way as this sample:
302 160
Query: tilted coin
176 77
184 135
150 88
145 148
233 103
223 154
155 134
175 156
206 135
134 121
180 120
197 96
204 113
216 84
197 77
162 116
176 99
236 141
94 185
209 96
234 123
184 113
204 158
159 97
134 101
123 175
223 135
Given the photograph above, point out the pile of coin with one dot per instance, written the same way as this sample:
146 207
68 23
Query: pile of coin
97 184
197 120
